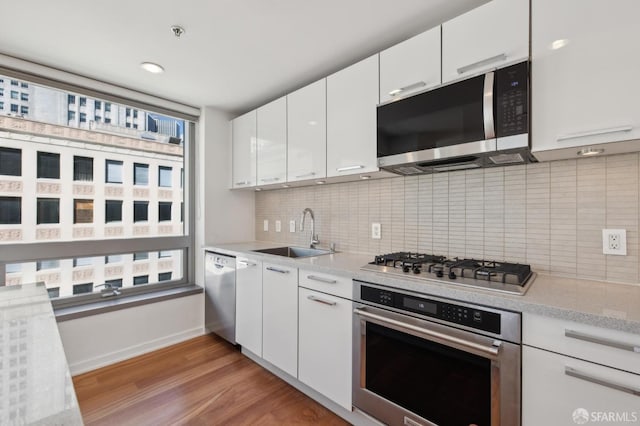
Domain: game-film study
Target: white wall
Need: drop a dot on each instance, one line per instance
(98, 340)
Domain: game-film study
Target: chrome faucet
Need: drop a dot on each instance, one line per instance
(108, 290)
(314, 237)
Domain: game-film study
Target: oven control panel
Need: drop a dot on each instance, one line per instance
(450, 312)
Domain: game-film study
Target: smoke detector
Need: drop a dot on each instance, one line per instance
(177, 30)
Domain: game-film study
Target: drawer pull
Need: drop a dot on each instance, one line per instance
(281, 271)
(408, 88)
(321, 279)
(569, 371)
(246, 263)
(347, 168)
(306, 175)
(244, 182)
(324, 302)
(602, 341)
(498, 58)
(273, 179)
(594, 133)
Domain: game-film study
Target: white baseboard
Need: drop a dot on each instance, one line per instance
(103, 360)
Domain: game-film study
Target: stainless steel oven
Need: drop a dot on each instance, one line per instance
(423, 360)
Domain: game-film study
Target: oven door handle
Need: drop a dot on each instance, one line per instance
(491, 352)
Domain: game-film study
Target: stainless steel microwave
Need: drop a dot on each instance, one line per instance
(482, 121)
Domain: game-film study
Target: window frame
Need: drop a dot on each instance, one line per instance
(78, 218)
(38, 215)
(112, 203)
(106, 171)
(77, 174)
(42, 155)
(17, 165)
(19, 203)
(165, 169)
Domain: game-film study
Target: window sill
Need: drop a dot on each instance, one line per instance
(115, 304)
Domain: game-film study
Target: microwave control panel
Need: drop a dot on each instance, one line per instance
(512, 100)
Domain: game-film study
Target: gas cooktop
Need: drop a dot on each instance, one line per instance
(513, 278)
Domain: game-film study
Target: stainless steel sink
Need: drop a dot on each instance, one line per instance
(294, 251)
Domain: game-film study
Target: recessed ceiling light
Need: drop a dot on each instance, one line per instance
(151, 67)
(559, 44)
(590, 151)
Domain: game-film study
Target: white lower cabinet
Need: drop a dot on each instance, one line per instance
(280, 317)
(249, 304)
(325, 345)
(561, 390)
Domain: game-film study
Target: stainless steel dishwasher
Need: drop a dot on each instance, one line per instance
(220, 295)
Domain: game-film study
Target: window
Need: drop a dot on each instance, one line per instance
(107, 107)
(107, 120)
(82, 211)
(14, 82)
(114, 171)
(113, 211)
(98, 118)
(83, 288)
(140, 211)
(164, 211)
(83, 101)
(71, 99)
(24, 110)
(10, 210)
(24, 97)
(1, 91)
(135, 126)
(1, 103)
(53, 292)
(10, 162)
(135, 113)
(48, 210)
(13, 268)
(165, 253)
(98, 105)
(164, 276)
(82, 168)
(14, 108)
(113, 259)
(140, 174)
(48, 165)
(83, 261)
(182, 212)
(141, 279)
(47, 264)
(164, 176)
(114, 283)
(24, 85)
(83, 117)
(127, 125)
(15, 95)
(71, 115)
(141, 256)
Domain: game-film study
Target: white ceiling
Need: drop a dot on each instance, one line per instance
(235, 55)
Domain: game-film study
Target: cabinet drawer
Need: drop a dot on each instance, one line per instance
(555, 388)
(331, 284)
(617, 349)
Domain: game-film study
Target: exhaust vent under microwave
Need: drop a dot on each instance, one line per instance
(501, 159)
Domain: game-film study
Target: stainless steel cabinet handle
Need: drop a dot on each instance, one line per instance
(246, 263)
(594, 133)
(306, 175)
(321, 279)
(569, 371)
(347, 168)
(408, 88)
(498, 58)
(487, 106)
(602, 341)
(325, 302)
(282, 271)
(273, 179)
(244, 182)
(491, 352)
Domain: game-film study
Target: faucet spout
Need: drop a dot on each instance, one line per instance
(314, 237)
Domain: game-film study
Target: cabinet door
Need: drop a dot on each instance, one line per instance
(485, 37)
(272, 142)
(411, 66)
(585, 69)
(352, 98)
(325, 345)
(553, 395)
(307, 132)
(244, 150)
(249, 304)
(280, 317)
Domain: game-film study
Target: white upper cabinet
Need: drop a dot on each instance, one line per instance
(352, 98)
(244, 150)
(585, 69)
(272, 142)
(307, 132)
(493, 34)
(411, 66)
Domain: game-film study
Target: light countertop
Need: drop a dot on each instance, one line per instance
(609, 305)
(35, 384)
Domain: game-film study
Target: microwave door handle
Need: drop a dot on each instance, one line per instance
(487, 105)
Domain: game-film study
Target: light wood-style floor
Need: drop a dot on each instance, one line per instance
(203, 381)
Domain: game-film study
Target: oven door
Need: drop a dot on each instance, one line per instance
(409, 371)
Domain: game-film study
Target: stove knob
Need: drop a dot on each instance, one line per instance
(416, 270)
(439, 274)
(452, 275)
(406, 269)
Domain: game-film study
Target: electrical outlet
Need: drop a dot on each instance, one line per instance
(614, 241)
(292, 226)
(265, 225)
(278, 226)
(376, 231)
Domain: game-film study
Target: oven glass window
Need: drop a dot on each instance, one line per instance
(441, 384)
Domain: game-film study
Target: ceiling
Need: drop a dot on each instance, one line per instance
(235, 54)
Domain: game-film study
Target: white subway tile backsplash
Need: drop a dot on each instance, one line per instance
(550, 215)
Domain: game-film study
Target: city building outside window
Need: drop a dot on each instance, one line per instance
(48, 165)
(24, 85)
(82, 168)
(24, 97)
(47, 264)
(10, 210)
(10, 162)
(141, 279)
(140, 174)
(82, 261)
(164, 176)
(24, 110)
(48, 210)
(107, 107)
(14, 82)
(164, 276)
(113, 211)
(71, 99)
(71, 115)
(83, 101)
(114, 171)
(97, 105)
(140, 211)
(164, 211)
(114, 258)
(53, 292)
(13, 268)
(82, 288)
(83, 117)
(107, 120)
(15, 95)
(141, 256)
(82, 211)
(14, 108)
(1, 103)
(117, 283)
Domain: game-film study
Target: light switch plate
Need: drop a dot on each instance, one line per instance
(292, 226)
(265, 226)
(376, 231)
(278, 226)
